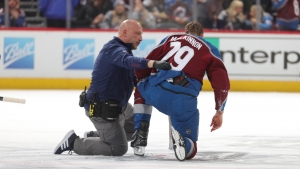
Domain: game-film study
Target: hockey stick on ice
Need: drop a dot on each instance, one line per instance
(12, 100)
(170, 135)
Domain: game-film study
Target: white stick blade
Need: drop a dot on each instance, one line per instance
(14, 100)
(170, 135)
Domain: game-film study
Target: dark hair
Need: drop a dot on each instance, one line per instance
(194, 28)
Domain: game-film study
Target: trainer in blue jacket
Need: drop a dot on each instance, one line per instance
(107, 98)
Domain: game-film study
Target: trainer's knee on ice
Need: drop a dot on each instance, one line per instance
(119, 150)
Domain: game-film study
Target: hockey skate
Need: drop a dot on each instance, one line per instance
(178, 145)
(140, 139)
(67, 143)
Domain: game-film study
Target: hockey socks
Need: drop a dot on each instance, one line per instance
(140, 139)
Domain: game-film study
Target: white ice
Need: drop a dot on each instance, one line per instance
(260, 130)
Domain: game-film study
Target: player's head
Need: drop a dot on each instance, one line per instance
(194, 28)
(130, 31)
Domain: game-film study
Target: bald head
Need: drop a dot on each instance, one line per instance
(128, 25)
(130, 31)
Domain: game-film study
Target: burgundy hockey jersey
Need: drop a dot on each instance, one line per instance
(194, 56)
(288, 10)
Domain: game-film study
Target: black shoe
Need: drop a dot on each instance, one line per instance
(140, 139)
(67, 143)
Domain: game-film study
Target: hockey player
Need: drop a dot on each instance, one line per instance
(174, 92)
(287, 14)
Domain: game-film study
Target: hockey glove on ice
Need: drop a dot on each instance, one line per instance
(162, 65)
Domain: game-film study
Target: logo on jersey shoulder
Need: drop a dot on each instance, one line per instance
(78, 53)
(145, 47)
(18, 53)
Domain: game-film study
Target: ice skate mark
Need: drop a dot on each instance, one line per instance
(219, 156)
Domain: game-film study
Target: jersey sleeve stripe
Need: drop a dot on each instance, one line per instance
(223, 105)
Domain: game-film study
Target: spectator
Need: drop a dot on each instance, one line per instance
(55, 11)
(79, 19)
(287, 14)
(16, 15)
(179, 13)
(127, 3)
(266, 5)
(203, 13)
(170, 3)
(92, 13)
(265, 22)
(115, 17)
(142, 15)
(246, 6)
(157, 8)
(97, 11)
(215, 7)
(232, 18)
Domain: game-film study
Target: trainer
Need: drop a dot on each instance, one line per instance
(107, 98)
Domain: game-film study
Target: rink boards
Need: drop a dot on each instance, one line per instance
(59, 59)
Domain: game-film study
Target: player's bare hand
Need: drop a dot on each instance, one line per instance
(217, 121)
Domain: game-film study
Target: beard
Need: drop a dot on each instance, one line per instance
(133, 47)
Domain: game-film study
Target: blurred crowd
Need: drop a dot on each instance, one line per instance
(16, 14)
(165, 14)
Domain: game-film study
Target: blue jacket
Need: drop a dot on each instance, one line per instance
(267, 22)
(113, 74)
(56, 9)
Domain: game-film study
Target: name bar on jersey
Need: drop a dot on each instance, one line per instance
(189, 39)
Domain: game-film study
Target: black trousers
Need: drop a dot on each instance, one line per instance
(56, 23)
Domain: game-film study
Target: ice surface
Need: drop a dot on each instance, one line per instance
(260, 130)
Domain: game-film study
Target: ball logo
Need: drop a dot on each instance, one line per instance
(18, 53)
(78, 53)
(145, 47)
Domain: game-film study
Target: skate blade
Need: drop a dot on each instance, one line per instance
(179, 148)
(139, 150)
(180, 153)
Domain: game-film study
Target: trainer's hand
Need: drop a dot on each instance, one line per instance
(162, 65)
(217, 121)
